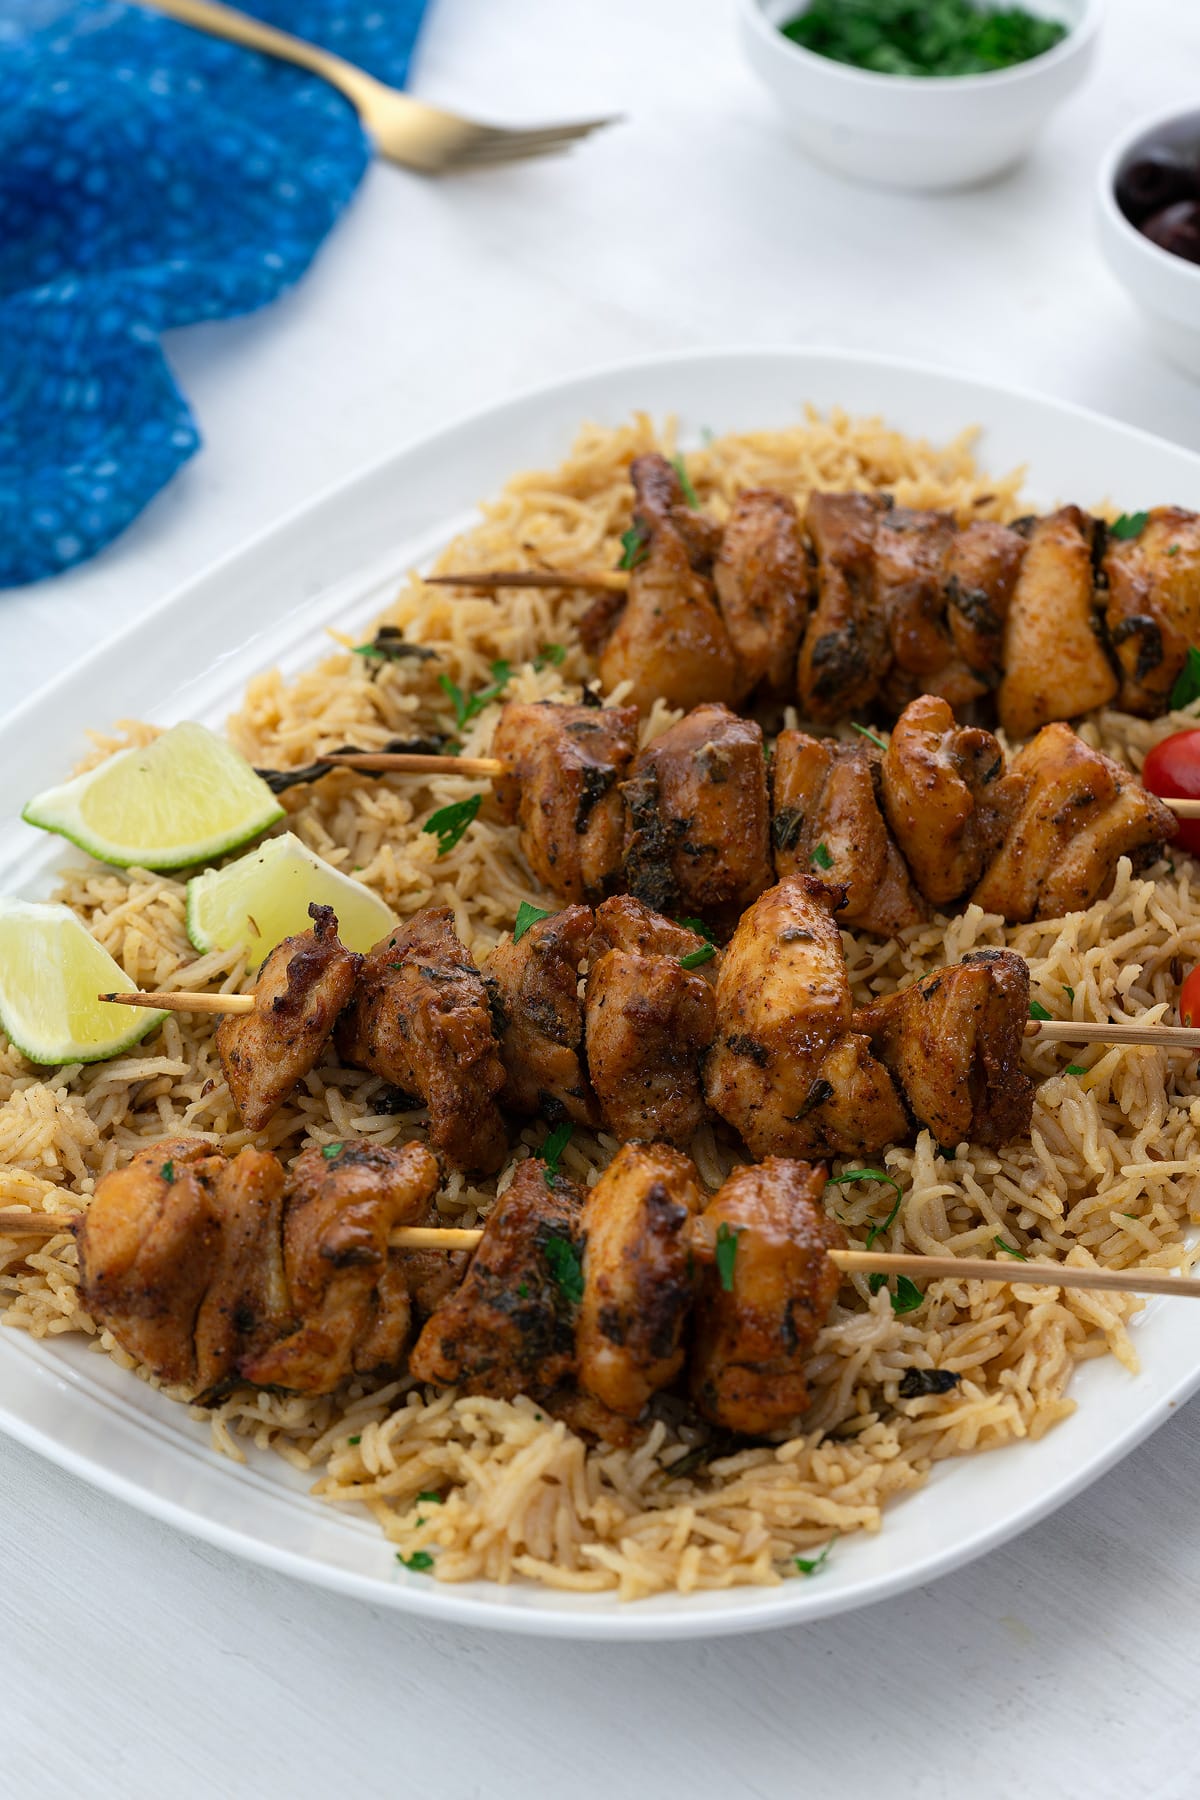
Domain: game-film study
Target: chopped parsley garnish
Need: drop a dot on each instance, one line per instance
(1068, 991)
(694, 958)
(875, 1282)
(1010, 1249)
(727, 1249)
(937, 37)
(907, 1296)
(872, 1175)
(526, 916)
(1128, 525)
(555, 1143)
(1173, 550)
(467, 706)
(812, 1565)
(821, 857)
(864, 732)
(685, 482)
(1187, 686)
(356, 1439)
(566, 1268)
(523, 1291)
(698, 926)
(168, 1171)
(1037, 1010)
(450, 822)
(635, 547)
(429, 1498)
(329, 1151)
(420, 1562)
(1074, 1069)
(550, 653)
(390, 645)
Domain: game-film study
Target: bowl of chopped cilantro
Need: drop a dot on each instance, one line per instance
(919, 93)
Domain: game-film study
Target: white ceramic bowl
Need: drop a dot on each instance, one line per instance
(905, 131)
(1167, 287)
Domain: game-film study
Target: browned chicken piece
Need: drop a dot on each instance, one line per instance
(420, 1018)
(510, 1327)
(952, 1042)
(787, 1070)
(430, 1275)
(1055, 665)
(149, 1245)
(247, 1303)
(946, 798)
(533, 988)
(910, 551)
(763, 583)
(638, 1280)
(846, 653)
(659, 498)
(669, 640)
(1153, 610)
(698, 834)
(1076, 814)
(980, 572)
(649, 1020)
(347, 1290)
(827, 816)
(301, 988)
(562, 767)
(766, 1292)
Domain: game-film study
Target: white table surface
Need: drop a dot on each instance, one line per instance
(134, 1662)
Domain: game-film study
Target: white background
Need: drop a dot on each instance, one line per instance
(135, 1663)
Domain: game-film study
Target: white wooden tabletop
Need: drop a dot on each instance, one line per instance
(134, 1662)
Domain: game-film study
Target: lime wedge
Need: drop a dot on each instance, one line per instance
(185, 798)
(257, 901)
(51, 970)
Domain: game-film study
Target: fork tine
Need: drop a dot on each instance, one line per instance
(514, 146)
(537, 134)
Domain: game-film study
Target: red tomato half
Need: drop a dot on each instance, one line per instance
(1172, 770)
(1189, 1000)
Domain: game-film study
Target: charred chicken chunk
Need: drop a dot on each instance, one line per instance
(846, 652)
(347, 1291)
(669, 640)
(510, 1327)
(946, 797)
(649, 1020)
(980, 569)
(246, 1304)
(1076, 813)
(1054, 661)
(763, 582)
(756, 1326)
(420, 1018)
(302, 987)
(698, 838)
(786, 1069)
(562, 767)
(1153, 610)
(637, 1276)
(533, 988)
(952, 1042)
(910, 552)
(826, 814)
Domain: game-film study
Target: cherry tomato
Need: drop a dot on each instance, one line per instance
(1189, 999)
(1172, 770)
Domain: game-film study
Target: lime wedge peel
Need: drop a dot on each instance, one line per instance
(263, 897)
(185, 798)
(51, 971)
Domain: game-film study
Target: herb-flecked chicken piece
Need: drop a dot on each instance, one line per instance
(980, 571)
(563, 765)
(787, 1069)
(669, 640)
(827, 818)
(533, 988)
(510, 1328)
(1153, 606)
(952, 1042)
(302, 987)
(1076, 812)
(763, 581)
(946, 797)
(638, 1276)
(1055, 664)
(420, 1019)
(698, 835)
(766, 1289)
(347, 1290)
(649, 1020)
(910, 552)
(846, 652)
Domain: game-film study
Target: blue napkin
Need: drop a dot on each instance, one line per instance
(150, 176)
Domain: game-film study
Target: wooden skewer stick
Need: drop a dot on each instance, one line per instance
(201, 1003)
(601, 581)
(399, 762)
(1183, 809)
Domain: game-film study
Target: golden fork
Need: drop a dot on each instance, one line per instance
(406, 130)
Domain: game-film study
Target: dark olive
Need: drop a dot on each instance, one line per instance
(1177, 229)
(1157, 179)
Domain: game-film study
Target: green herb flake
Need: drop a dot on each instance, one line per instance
(429, 1498)
(694, 958)
(420, 1562)
(1068, 991)
(821, 857)
(1037, 1010)
(907, 1296)
(550, 654)
(468, 706)
(449, 823)
(1074, 1069)
(876, 1230)
(168, 1171)
(812, 1565)
(875, 1282)
(685, 482)
(566, 1267)
(1128, 525)
(938, 37)
(727, 1249)
(526, 916)
(1187, 686)
(555, 1143)
(523, 1291)
(1010, 1249)
(356, 1439)
(329, 1151)
(1172, 549)
(1125, 1215)
(698, 926)
(635, 547)
(863, 731)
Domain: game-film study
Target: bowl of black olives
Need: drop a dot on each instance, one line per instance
(1150, 227)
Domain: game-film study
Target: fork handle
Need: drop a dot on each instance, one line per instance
(239, 28)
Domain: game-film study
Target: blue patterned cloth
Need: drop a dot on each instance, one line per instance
(150, 176)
